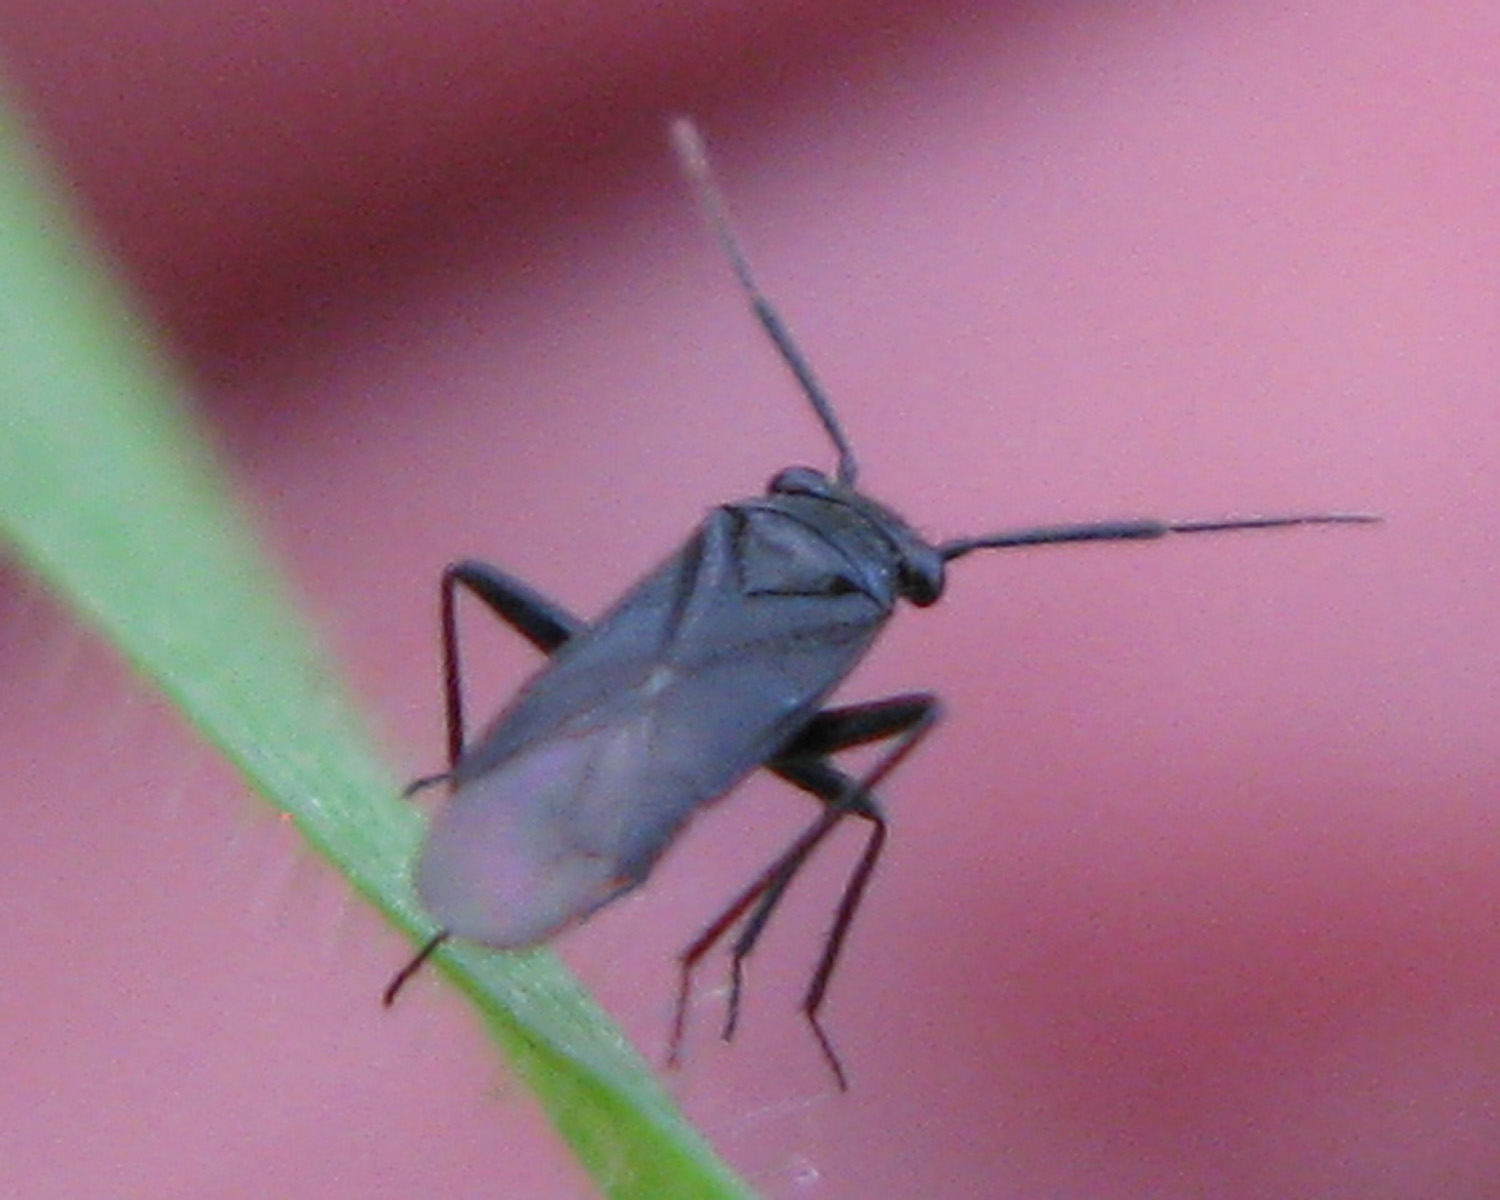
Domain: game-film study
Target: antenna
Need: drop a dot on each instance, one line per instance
(692, 154)
(1139, 530)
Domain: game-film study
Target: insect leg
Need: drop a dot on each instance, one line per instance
(906, 718)
(392, 989)
(804, 765)
(542, 622)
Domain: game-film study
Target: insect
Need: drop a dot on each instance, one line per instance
(718, 663)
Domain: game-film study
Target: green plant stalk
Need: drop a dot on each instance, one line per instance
(109, 493)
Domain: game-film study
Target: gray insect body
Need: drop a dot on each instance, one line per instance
(716, 664)
(703, 672)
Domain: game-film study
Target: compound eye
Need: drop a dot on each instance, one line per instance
(922, 577)
(800, 481)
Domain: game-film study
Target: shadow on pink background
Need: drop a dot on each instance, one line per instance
(1195, 891)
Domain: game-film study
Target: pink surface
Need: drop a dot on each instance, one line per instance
(1195, 891)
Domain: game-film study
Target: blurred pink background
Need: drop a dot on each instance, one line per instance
(1195, 891)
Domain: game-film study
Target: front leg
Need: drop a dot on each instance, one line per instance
(540, 620)
(907, 719)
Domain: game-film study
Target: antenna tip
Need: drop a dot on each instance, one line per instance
(687, 142)
(1341, 518)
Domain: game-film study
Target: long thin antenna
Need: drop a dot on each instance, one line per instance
(1139, 530)
(692, 154)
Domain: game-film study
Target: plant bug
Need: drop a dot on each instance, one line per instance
(716, 664)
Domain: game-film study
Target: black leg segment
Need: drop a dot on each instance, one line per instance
(542, 622)
(907, 719)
